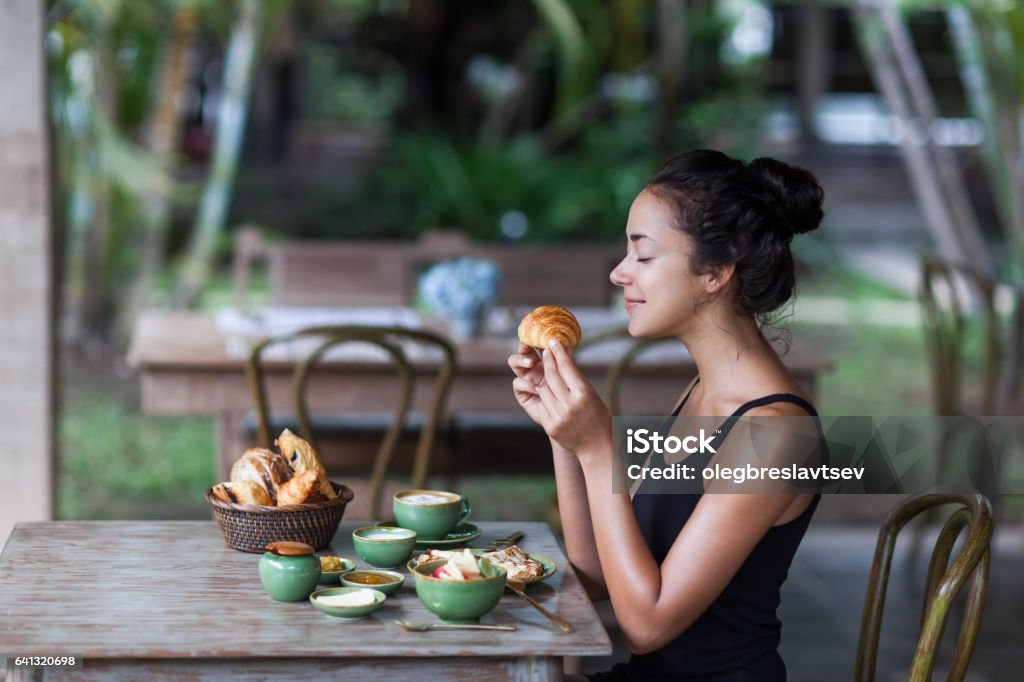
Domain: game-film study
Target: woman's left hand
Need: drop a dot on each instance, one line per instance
(575, 416)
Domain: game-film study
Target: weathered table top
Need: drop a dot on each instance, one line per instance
(174, 590)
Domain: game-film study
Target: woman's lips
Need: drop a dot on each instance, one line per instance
(633, 303)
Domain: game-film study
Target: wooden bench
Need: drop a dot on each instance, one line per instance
(372, 273)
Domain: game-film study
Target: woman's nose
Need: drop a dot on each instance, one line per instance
(619, 276)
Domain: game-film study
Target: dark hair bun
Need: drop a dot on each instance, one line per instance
(742, 214)
(793, 192)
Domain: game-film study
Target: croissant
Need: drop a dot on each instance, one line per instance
(303, 487)
(550, 322)
(242, 492)
(303, 457)
(266, 468)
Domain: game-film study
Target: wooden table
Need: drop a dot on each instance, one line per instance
(145, 600)
(185, 368)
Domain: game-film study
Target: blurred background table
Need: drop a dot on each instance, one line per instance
(188, 365)
(170, 600)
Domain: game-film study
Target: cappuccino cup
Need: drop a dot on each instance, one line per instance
(431, 513)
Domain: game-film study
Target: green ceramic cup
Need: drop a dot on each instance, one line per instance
(289, 578)
(431, 513)
(384, 546)
(458, 601)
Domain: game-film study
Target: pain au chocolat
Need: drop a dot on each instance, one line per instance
(550, 322)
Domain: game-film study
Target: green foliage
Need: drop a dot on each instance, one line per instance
(360, 91)
(116, 463)
(435, 182)
(575, 170)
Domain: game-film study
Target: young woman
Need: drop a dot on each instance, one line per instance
(693, 579)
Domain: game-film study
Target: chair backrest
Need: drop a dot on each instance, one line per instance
(388, 339)
(618, 370)
(944, 582)
(950, 293)
(957, 298)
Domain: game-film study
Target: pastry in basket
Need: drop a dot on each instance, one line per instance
(303, 488)
(266, 468)
(242, 492)
(303, 457)
(550, 322)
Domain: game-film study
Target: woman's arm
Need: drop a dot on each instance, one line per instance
(655, 604)
(572, 491)
(577, 528)
(652, 603)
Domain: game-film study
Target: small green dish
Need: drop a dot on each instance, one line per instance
(384, 547)
(329, 577)
(389, 581)
(347, 612)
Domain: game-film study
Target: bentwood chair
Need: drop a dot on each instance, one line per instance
(619, 370)
(393, 341)
(944, 582)
(973, 333)
(959, 302)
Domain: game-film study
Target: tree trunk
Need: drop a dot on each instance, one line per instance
(231, 115)
(162, 139)
(672, 53)
(813, 67)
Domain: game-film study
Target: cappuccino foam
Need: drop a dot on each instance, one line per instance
(425, 498)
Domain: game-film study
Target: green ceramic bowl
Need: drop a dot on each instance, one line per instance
(387, 582)
(383, 546)
(458, 601)
(346, 612)
(328, 577)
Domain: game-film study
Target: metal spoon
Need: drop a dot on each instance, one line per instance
(502, 543)
(421, 627)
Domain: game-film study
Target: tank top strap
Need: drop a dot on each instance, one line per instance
(761, 402)
(776, 398)
(679, 407)
(726, 427)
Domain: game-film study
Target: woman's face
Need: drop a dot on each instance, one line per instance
(659, 288)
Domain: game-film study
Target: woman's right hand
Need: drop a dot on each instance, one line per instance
(529, 371)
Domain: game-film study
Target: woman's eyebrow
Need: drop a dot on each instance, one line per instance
(635, 237)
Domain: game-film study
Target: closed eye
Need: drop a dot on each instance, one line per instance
(643, 260)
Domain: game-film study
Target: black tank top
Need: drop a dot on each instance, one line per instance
(736, 639)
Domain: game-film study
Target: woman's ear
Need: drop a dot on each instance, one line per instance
(718, 278)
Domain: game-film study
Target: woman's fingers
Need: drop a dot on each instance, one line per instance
(524, 386)
(567, 369)
(553, 378)
(521, 364)
(528, 395)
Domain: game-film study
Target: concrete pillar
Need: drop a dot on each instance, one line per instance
(26, 273)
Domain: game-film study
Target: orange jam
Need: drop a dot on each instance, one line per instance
(369, 579)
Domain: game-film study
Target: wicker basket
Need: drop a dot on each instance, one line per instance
(249, 528)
